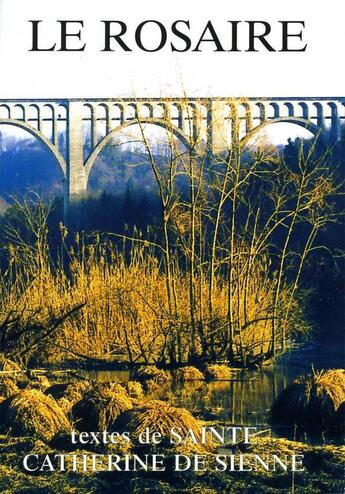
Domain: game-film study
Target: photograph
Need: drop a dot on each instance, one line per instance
(172, 247)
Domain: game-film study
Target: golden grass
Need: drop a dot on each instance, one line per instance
(8, 387)
(104, 389)
(67, 394)
(217, 372)
(75, 390)
(188, 373)
(134, 389)
(151, 372)
(161, 417)
(330, 387)
(126, 304)
(7, 365)
(32, 412)
(43, 382)
(100, 407)
(151, 387)
(40, 382)
(312, 400)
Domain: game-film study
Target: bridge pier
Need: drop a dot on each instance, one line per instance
(76, 180)
(77, 177)
(217, 139)
(335, 124)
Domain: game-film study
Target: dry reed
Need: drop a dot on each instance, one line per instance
(217, 372)
(151, 372)
(188, 373)
(100, 407)
(8, 387)
(126, 307)
(312, 400)
(32, 412)
(159, 416)
(134, 389)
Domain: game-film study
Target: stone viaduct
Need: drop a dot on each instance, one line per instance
(76, 130)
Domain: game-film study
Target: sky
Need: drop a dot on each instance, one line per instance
(319, 71)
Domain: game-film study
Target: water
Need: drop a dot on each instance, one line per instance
(247, 398)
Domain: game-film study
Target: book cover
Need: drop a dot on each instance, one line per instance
(172, 247)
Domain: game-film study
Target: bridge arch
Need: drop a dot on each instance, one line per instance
(41, 138)
(146, 110)
(131, 111)
(5, 109)
(290, 109)
(117, 113)
(273, 110)
(319, 113)
(18, 112)
(155, 121)
(305, 110)
(102, 112)
(160, 111)
(306, 124)
(260, 111)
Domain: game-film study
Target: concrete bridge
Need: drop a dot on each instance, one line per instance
(76, 130)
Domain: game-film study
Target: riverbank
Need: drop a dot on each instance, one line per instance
(323, 473)
(39, 453)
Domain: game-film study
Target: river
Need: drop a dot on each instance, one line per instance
(245, 399)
